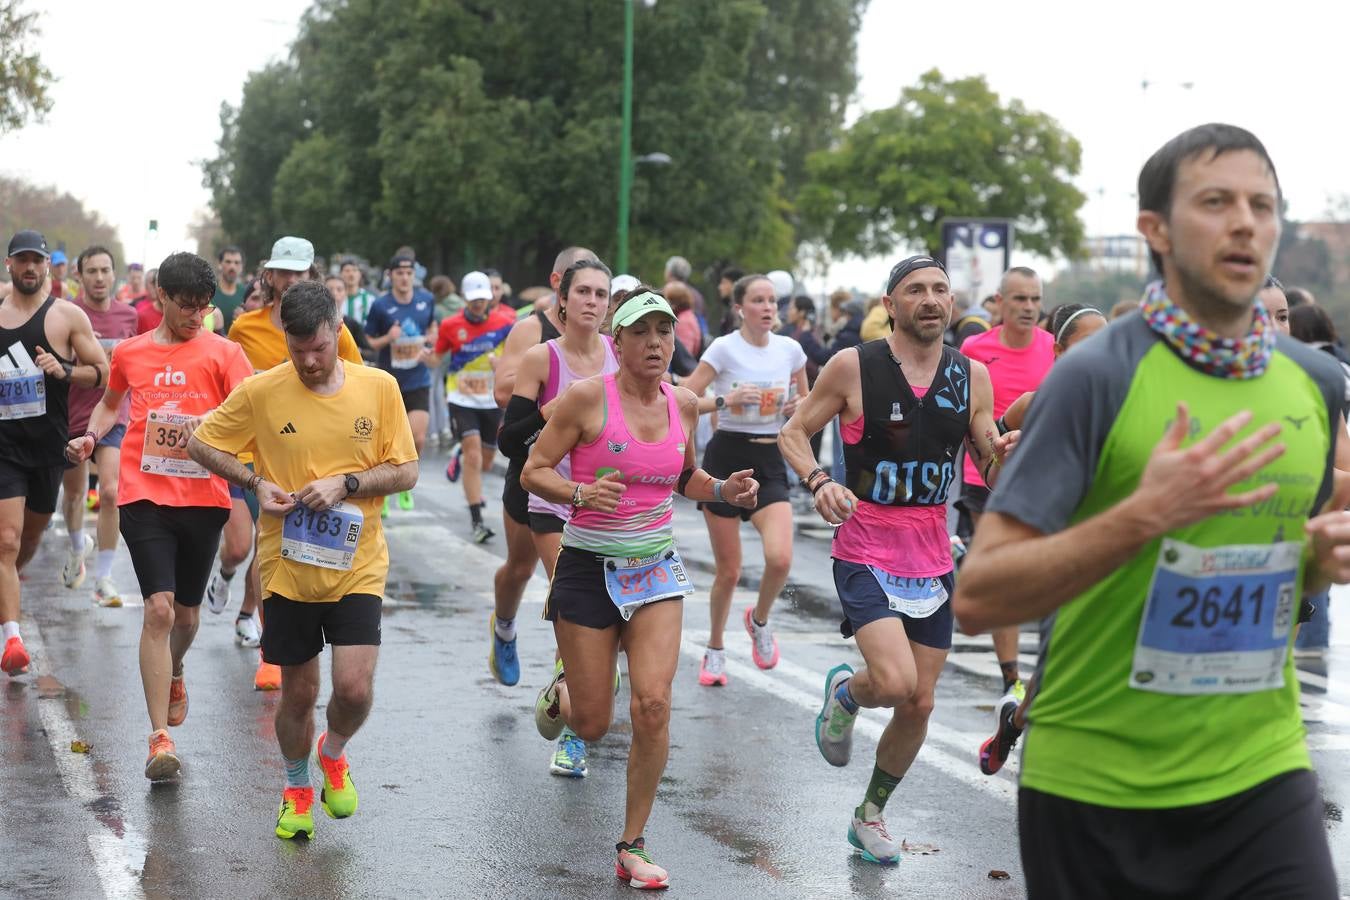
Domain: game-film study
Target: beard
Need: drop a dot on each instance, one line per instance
(27, 290)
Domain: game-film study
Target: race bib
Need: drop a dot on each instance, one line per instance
(475, 384)
(406, 352)
(164, 451)
(23, 394)
(1217, 619)
(917, 598)
(633, 583)
(327, 539)
(767, 411)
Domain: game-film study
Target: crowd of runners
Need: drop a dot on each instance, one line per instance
(1160, 494)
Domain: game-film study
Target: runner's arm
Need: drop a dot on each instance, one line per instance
(826, 400)
(91, 368)
(385, 479)
(523, 335)
(221, 463)
(698, 384)
(1016, 414)
(577, 412)
(983, 434)
(740, 489)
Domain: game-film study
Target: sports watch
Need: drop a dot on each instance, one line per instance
(351, 483)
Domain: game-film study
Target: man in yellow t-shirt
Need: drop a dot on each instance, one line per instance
(330, 440)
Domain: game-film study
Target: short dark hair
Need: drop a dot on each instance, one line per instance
(805, 304)
(94, 250)
(743, 284)
(229, 248)
(1310, 324)
(1298, 297)
(186, 276)
(305, 307)
(1158, 177)
(732, 274)
(492, 273)
(570, 273)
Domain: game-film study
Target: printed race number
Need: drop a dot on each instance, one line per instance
(634, 582)
(324, 538)
(23, 394)
(164, 451)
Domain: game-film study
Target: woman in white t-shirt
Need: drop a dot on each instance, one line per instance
(758, 378)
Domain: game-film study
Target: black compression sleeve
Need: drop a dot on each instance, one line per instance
(684, 481)
(520, 426)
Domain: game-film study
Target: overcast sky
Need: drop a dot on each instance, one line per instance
(140, 84)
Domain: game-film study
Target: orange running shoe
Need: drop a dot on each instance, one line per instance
(162, 763)
(296, 816)
(339, 794)
(268, 676)
(15, 659)
(178, 700)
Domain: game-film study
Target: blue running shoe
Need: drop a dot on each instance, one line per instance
(569, 760)
(502, 659)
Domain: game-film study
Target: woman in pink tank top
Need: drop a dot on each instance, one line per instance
(618, 580)
(548, 369)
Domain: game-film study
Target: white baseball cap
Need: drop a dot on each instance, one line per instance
(476, 286)
(782, 283)
(623, 283)
(294, 254)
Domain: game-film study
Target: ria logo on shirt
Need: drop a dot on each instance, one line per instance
(169, 377)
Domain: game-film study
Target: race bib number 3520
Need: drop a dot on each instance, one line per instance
(1217, 619)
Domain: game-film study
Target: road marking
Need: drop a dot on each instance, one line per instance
(118, 862)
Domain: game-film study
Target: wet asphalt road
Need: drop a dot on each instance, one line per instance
(456, 797)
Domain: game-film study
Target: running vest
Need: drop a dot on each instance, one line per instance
(546, 330)
(29, 437)
(560, 377)
(907, 455)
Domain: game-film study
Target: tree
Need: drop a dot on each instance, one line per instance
(487, 132)
(947, 149)
(62, 219)
(23, 78)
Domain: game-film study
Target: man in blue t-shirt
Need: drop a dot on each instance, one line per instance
(401, 326)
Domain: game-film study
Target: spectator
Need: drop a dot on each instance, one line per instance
(876, 324)
(782, 286)
(678, 269)
(1299, 296)
(687, 331)
(726, 282)
(966, 320)
(990, 305)
(1310, 324)
(448, 300)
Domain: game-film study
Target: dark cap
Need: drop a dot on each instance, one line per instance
(911, 264)
(400, 261)
(28, 241)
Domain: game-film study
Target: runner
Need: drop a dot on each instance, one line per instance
(1168, 756)
(758, 378)
(172, 510)
(260, 334)
(400, 325)
(359, 300)
(508, 585)
(331, 439)
(905, 406)
(1070, 324)
(112, 323)
(1273, 298)
(1018, 355)
(230, 291)
(473, 337)
(630, 439)
(46, 345)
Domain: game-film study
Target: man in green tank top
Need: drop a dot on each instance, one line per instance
(1166, 506)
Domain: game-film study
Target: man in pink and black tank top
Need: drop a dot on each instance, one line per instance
(905, 404)
(1018, 355)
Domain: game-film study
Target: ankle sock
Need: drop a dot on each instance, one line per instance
(77, 540)
(10, 629)
(334, 744)
(476, 513)
(103, 568)
(506, 629)
(845, 698)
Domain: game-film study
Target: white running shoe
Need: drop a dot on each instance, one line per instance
(872, 841)
(246, 631)
(106, 593)
(218, 594)
(73, 572)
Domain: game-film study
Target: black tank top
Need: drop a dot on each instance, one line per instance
(546, 330)
(907, 455)
(28, 437)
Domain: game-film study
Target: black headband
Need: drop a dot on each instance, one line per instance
(912, 264)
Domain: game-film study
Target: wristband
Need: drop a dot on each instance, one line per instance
(91, 434)
(252, 484)
(68, 369)
(577, 501)
(98, 376)
(717, 490)
(806, 482)
(820, 484)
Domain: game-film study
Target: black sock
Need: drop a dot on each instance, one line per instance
(476, 513)
(1009, 674)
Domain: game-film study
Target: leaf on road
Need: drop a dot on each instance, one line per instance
(999, 875)
(80, 747)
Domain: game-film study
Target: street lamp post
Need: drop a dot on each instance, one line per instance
(625, 144)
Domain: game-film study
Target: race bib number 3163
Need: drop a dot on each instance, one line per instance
(327, 539)
(1217, 619)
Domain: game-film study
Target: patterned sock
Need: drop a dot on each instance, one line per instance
(879, 790)
(845, 698)
(297, 771)
(334, 744)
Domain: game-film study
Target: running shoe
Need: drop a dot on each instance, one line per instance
(246, 631)
(91, 501)
(106, 593)
(178, 700)
(714, 668)
(218, 594)
(452, 468)
(15, 659)
(502, 659)
(763, 645)
(296, 816)
(162, 763)
(569, 760)
(548, 708)
(872, 841)
(1018, 691)
(268, 676)
(73, 572)
(995, 751)
(834, 725)
(636, 867)
(481, 533)
(339, 791)
(405, 501)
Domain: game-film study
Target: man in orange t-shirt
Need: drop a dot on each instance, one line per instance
(172, 509)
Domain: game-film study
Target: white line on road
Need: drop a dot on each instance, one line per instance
(118, 862)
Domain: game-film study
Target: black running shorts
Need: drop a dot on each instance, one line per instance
(577, 592)
(732, 451)
(467, 420)
(173, 548)
(295, 632)
(417, 400)
(39, 486)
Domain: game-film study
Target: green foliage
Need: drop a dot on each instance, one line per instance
(947, 149)
(1102, 290)
(61, 218)
(488, 131)
(23, 78)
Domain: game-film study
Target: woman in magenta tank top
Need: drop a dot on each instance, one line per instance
(618, 580)
(547, 370)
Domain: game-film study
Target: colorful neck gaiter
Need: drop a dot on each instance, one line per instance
(1244, 357)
